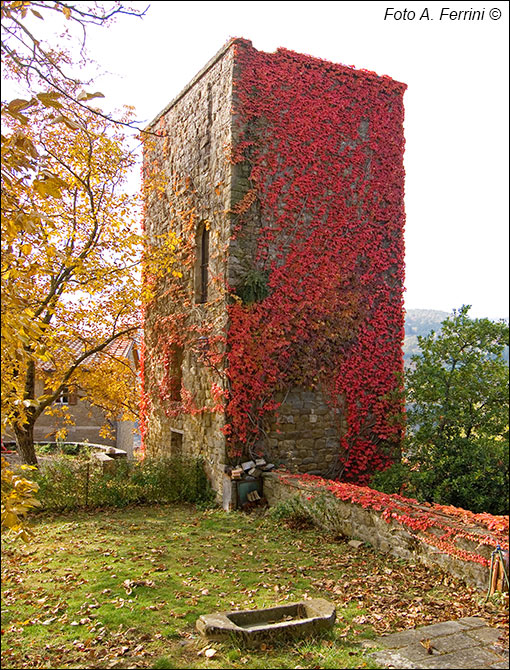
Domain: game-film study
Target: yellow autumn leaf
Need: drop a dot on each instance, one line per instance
(50, 99)
(18, 104)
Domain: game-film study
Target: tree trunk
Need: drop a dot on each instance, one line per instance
(25, 442)
(25, 432)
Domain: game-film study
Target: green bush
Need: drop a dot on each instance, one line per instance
(59, 485)
(457, 416)
(395, 479)
(292, 511)
(45, 448)
(66, 484)
(253, 287)
(67, 448)
(469, 474)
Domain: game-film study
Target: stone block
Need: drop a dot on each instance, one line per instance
(485, 634)
(449, 643)
(472, 622)
(391, 659)
(309, 460)
(284, 622)
(473, 657)
(445, 628)
(402, 639)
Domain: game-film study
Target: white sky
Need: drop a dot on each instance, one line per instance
(456, 125)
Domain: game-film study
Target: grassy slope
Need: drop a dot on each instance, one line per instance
(66, 603)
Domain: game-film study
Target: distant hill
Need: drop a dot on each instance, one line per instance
(421, 322)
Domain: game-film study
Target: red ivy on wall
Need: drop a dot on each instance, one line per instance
(324, 144)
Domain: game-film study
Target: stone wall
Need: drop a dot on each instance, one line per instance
(281, 199)
(201, 161)
(394, 536)
(192, 163)
(304, 434)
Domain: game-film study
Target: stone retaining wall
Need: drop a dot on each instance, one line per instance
(458, 541)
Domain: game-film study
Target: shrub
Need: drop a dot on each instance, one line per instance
(470, 475)
(457, 418)
(66, 484)
(395, 479)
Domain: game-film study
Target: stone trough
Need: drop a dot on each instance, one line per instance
(301, 619)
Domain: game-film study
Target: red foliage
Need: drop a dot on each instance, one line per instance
(326, 168)
(421, 519)
(323, 147)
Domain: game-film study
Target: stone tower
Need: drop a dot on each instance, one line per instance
(274, 319)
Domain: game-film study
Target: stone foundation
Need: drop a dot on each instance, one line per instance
(304, 434)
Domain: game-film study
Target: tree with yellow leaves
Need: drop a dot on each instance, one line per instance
(18, 497)
(70, 245)
(70, 284)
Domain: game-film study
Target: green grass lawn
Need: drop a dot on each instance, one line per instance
(124, 588)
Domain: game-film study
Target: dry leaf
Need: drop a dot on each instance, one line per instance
(427, 644)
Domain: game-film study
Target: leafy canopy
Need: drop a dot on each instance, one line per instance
(70, 244)
(457, 395)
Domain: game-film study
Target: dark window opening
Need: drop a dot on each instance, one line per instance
(202, 267)
(68, 396)
(176, 384)
(63, 398)
(175, 442)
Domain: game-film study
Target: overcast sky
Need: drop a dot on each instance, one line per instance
(456, 108)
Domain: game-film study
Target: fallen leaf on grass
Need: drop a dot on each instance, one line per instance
(209, 652)
(130, 584)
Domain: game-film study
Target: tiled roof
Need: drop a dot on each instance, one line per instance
(119, 348)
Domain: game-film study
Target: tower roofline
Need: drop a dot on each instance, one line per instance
(198, 76)
(245, 42)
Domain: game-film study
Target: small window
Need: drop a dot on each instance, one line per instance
(202, 265)
(176, 370)
(176, 442)
(63, 399)
(67, 397)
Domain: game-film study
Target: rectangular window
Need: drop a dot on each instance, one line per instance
(63, 399)
(204, 269)
(202, 264)
(68, 396)
(176, 371)
(176, 442)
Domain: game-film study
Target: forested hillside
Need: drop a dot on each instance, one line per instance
(421, 322)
